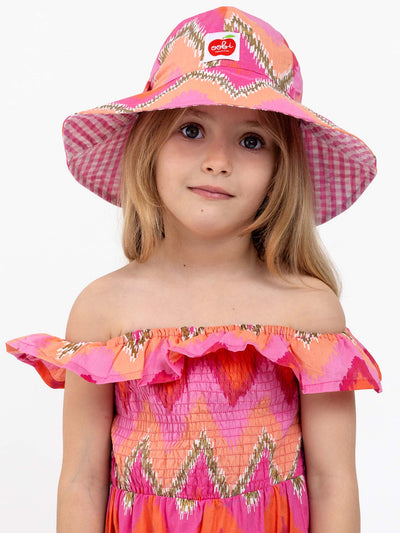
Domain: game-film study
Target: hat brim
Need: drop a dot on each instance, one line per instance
(341, 165)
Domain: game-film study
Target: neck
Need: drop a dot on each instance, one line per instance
(202, 258)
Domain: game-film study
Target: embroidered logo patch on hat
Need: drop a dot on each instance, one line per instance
(221, 45)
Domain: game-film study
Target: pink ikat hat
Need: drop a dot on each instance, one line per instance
(221, 57)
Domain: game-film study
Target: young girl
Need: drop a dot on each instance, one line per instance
(209, 382)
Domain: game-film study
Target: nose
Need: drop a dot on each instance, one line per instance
(217, 160)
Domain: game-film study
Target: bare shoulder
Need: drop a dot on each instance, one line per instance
(92, 314)
(314, 306)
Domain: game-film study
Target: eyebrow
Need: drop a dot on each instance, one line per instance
(194, 111)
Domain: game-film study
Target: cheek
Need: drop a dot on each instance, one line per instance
(172, 163)
(164, 169)
(261, 178)
(164, 188)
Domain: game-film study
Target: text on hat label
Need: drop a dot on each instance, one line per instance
(221, 45)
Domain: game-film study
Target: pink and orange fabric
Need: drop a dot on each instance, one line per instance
(207, 435)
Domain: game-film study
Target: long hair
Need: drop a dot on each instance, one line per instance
(283, 230)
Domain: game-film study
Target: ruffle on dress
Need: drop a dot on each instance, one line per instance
(321, 362)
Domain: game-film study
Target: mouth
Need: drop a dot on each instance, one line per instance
(211, 192)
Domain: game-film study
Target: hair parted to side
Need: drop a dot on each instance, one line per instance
(283, 230)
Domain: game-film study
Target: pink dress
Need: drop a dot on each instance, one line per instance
(206, 435)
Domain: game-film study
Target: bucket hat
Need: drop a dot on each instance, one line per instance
(221, 57)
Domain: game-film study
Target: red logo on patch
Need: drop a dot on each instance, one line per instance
(224, 47)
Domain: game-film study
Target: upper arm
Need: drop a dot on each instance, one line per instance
(88, 408)
(328, 427)
(328, 422)
(327, 419)
(87, 418)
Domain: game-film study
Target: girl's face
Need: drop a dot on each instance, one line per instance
(214, 147)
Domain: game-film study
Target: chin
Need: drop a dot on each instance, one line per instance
(205, 227)
(212, 231)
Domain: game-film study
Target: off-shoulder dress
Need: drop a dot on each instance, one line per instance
(206, 435)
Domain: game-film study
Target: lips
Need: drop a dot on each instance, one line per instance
(211, 188)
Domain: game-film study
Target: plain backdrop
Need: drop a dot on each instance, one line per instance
(56, 237)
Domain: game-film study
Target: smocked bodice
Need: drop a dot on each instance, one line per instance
(227, 427)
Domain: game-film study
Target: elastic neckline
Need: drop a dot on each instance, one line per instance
(192, 331)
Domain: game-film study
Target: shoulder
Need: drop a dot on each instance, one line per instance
(92, 314)
(313, 306)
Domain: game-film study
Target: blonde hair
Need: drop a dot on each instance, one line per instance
(283, 230)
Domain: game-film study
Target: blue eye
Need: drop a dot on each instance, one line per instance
(252, 142)
(192, 131)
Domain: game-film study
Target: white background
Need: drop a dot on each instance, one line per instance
(56, 237)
